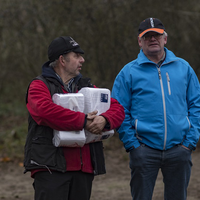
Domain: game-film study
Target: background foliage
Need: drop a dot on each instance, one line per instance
(106, 31)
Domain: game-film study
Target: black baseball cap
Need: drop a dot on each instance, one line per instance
(150, 24)
(62, 45)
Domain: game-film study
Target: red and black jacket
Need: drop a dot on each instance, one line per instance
(44, 116)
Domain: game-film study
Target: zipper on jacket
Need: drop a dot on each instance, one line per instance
(188, 122)
(164, 106)
(168, 83)
(137, 135)
(35, 163)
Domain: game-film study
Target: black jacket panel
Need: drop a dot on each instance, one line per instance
(39, 149)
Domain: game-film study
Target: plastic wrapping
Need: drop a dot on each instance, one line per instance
(86, 101)
(96, 99)
(75, 102)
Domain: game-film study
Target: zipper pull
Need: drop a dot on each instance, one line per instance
(168, 83)
(168, 79)
(35, 163)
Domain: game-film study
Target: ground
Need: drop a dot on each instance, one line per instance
(114, 185)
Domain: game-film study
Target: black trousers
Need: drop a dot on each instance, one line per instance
(75, 185)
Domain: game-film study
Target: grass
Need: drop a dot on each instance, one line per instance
(13, 129)
(12, 142)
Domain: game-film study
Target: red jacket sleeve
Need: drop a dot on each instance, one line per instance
(115, 115)
(45, 112)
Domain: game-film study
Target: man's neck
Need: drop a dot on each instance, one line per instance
(64, 78)
(157, 58)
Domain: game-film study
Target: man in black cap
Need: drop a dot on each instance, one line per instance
(161, 97)
(63, 172)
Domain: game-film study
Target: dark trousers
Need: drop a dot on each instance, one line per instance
(175, 165)
(74, 185)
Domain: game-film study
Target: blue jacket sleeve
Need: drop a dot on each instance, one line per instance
(122, 92)
(193, 101)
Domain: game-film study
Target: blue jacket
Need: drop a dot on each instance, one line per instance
(162, 104)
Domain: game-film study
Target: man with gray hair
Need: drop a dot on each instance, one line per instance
(161, 97)
(64, 172)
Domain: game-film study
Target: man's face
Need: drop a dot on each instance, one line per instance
(152, 43)
(73, 64)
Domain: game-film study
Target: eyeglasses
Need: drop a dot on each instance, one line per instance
(149, 36)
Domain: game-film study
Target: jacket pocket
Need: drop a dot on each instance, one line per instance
(43, 152)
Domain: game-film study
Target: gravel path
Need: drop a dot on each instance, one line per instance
(114, 185)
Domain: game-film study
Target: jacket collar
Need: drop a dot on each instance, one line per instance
(170, 57)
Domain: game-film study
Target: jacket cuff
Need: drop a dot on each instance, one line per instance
(191, 147)
(85, 122)
(129, 149)
(107, 126)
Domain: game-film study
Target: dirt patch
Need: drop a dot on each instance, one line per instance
(114, 185)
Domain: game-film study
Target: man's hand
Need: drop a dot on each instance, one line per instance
(185, 147)
(90, 117)
(95, 124)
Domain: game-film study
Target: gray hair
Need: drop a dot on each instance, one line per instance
(165, 33)
(55, 63)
